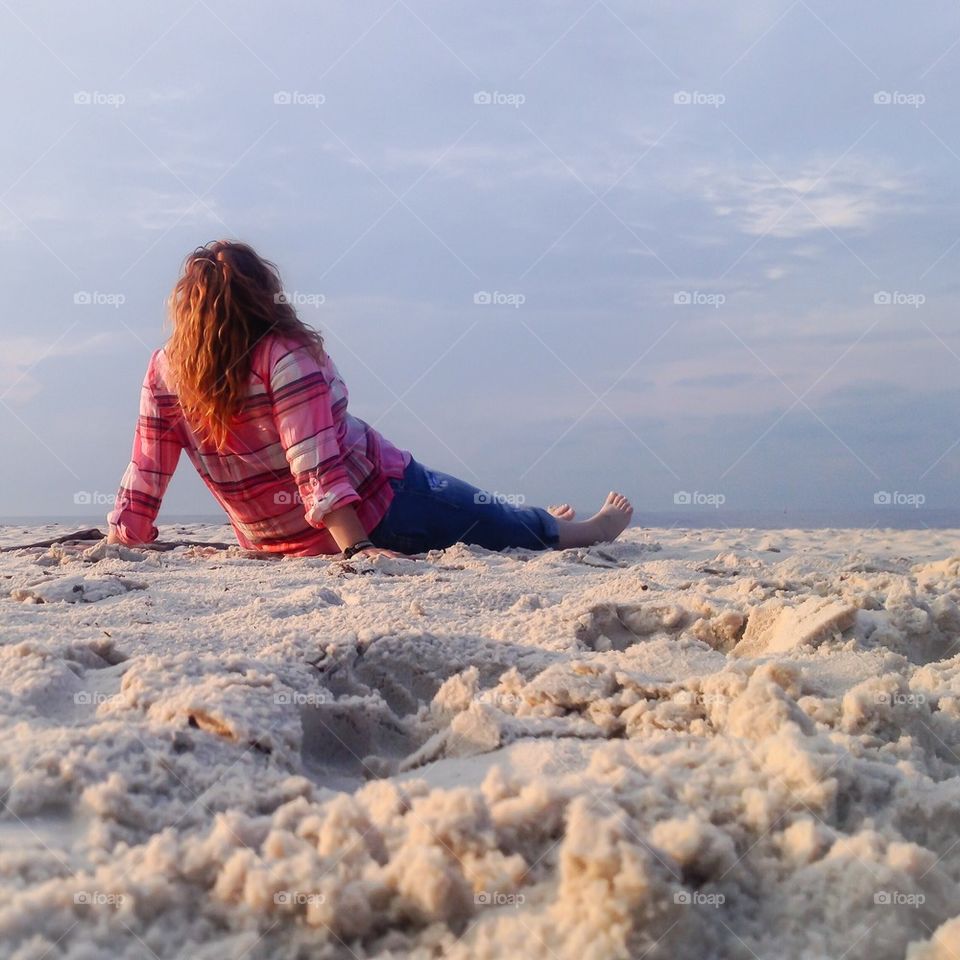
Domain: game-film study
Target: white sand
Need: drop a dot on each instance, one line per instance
(685, 745)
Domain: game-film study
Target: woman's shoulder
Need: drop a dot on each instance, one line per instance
(158, 371)
(275, 347)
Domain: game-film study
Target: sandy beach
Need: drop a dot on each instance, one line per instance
(683, 745)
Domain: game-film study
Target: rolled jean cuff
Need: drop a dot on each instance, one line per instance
(551, 529)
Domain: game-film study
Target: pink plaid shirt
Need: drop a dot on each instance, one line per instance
(293, 455)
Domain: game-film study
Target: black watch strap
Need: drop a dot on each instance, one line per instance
(356, 548)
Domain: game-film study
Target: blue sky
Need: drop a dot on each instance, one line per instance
(719, 243)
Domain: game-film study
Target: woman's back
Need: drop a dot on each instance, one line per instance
(291, 454)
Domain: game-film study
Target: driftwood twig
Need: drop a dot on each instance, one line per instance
(94, 534)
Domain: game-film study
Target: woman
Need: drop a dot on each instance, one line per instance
(251, 395)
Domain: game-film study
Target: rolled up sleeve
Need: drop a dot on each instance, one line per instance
(307, 427)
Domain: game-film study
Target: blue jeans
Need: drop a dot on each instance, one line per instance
(432, 510)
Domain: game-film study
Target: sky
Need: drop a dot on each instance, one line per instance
(704, 254)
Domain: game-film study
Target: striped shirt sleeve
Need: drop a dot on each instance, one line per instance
(302, 411)
(156, 452)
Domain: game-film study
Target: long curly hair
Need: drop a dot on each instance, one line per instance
(226, 301)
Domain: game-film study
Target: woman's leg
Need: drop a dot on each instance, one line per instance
(433, 510)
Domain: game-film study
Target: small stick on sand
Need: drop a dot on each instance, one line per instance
(94, 534)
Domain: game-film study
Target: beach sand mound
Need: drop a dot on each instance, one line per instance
(683, 745)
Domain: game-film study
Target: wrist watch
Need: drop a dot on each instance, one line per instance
(356, 548)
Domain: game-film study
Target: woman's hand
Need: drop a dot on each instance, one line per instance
(381, 552)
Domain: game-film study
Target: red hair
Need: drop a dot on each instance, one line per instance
(226, 301)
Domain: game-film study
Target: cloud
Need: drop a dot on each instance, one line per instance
(177, 95)
(150, 209)
(535, 155)
(22, 356)
(817, 195)
(29, 211)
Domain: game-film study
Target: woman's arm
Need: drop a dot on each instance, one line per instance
(302, 411)
(156, 452)
(344, 526)
(346, 529)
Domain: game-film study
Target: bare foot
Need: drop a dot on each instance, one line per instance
(613, 517)
(605, 525)
(562, 511)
